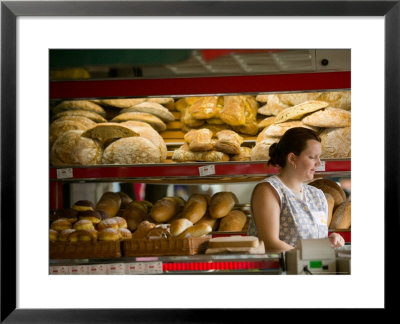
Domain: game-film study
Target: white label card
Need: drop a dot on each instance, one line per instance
(64, 173)
(154, 267)
(207, 170)
(321, 167)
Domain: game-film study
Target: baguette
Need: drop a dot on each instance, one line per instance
(233, 222)
(196, 231)
(110, 203)
(134, 214)
(179, 225)
(195, 208)
(165, 208)
(221, 204)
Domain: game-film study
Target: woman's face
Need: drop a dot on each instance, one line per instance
(308, 160)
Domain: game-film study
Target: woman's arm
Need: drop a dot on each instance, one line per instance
(265, 205)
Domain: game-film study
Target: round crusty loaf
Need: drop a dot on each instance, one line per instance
(71, 148)
(67, 123)
(331, 187)
(146, 131)
(80, 113)
(331, 204)
(233, 222)
(221, 204)
(336, 143)
(328, 117)
(179, 225)
(131, 150)
(152, 120)
(341, 218)
(120, 103)
(165, 208)
(195, 208)
(153, 108)
(107, 132)
(79, 105)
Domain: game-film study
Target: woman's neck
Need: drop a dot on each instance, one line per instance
(291, 181)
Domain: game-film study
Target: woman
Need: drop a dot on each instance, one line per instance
(284, 208)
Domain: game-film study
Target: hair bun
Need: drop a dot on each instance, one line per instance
(273, 150)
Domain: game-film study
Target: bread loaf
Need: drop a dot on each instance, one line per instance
(80, 113)
(131, 150)
(179, 225)
(165, 208)
(221, 204)
(332, 188)
(336, 143)
(277, 130)
(204, 108)
(125, 199)
(243, 155)
(121, 103)
(296, 112)
(266, 122)
(153, 108)
(106, 132)
(195, 208)
(64, 124)
(331, 204)
(228, 142)
(134, 214)
(196, 231)
(233, 222)
(293, 99)
(213, 222)
(273, 105)
(328, 117)
(70, 148)
(79, 105)
(233, 111)
(183, 154)
(142, 230)
(337, 99)
(110, 203)
(188, 120)
(341, 218)
(152, 120)
(199, 140)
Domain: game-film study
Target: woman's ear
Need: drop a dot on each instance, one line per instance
(291, 157)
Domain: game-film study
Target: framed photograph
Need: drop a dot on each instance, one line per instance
(371, 29)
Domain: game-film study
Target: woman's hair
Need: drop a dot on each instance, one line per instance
(293, 141)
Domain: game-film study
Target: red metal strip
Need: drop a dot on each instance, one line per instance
(345, 234)
(336, 166)
(199, 85)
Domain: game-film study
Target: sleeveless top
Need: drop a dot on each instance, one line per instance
(304, 217)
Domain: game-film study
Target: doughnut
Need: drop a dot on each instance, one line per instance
(65, 234)
(121, 222)
(91, 215)
(108, 223)
(83, 224)
(83, 236)
(82, 205)
(60, 224)
(53, 235)
(109, 234)
(125, 233)
(70, 214)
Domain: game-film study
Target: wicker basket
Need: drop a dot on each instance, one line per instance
(165, 246)
(85, 250)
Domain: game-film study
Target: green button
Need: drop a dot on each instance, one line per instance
(315, 264)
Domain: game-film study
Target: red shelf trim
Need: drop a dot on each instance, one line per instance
(179, 170)
(112, 88)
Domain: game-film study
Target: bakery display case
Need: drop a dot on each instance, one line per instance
(166, 155)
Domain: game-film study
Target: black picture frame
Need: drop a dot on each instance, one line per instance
(10, 10)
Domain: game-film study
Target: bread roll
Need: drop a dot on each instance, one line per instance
(60, 224)
(298, 111)
(336, 143)
(196, 231)
(228, 142)
(125, 199)
(152, 120)
(184, 154)
(108, 223)
(109, 202)
(153, 108)
(70, 148)
(134, 214)
(207, 219)
(204, 108)
(328, 117)
(243, 155)
(165, 208)
(83, 225)
(179, 225)
(331, 204)
(109, 234)
(273, 105)
(195, 208)
(80, 113)
(233, 222)
(199, 140)
(148, 132)
(341, 218)
(142, 229)
(188, 120)
(79, 105)
(131, 150)
(221, 204)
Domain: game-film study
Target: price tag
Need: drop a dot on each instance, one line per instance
(59, 270)
(135, 268)
(64, 173)
(79, 270)
(321, 167)
(207, 170)
(98, 269)
(116, 269)
(154, 267)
